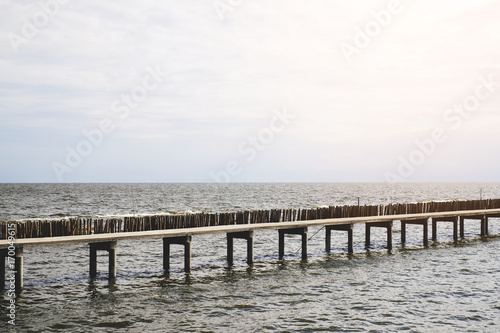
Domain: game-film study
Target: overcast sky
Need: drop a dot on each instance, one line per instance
(251, 90)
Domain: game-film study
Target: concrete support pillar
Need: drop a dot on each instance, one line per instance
(422, 222)
(16, 268)
(248, 235)
(453, 219)
(385, 224)
(19, 269)
(487, 217)
(93, 261)
(112, 262)
(294, 231)
(103, 246)
(3, 255)
(462, 227)
(342, 227)
(484, 224)
(182, 240)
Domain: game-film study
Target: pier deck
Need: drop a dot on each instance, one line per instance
(95, 238)
(108, 241)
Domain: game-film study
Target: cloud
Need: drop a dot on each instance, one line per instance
(226, 76)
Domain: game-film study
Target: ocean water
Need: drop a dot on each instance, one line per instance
(446, 287)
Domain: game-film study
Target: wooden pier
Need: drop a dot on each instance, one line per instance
(183, 236)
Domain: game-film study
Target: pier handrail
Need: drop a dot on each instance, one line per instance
(102, 237)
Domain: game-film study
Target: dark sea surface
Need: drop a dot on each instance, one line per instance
(447, 287)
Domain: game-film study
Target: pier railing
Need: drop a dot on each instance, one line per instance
(89, 226)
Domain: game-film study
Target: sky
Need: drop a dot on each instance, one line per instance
(249, 91)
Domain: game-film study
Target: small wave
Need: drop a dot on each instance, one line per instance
(59, 215)
(149, 214)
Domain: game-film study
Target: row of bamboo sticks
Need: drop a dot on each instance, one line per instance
(87, 226)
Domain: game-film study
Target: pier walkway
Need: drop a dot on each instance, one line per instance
(108, 241)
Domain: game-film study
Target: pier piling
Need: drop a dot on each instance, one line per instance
(482, 218)
(18, 268)
(182, 240)
(453, 220)
(487, 218)
(422, 222)
(385, 224)
(104, 246)
(342, 227)
(3, 255)
(484, 226)
(293, 231)
(248, 236)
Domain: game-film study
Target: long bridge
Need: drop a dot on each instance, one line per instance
(183, 236)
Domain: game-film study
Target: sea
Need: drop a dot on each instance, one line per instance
(444, 287)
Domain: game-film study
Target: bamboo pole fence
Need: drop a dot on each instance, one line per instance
(98, 225)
